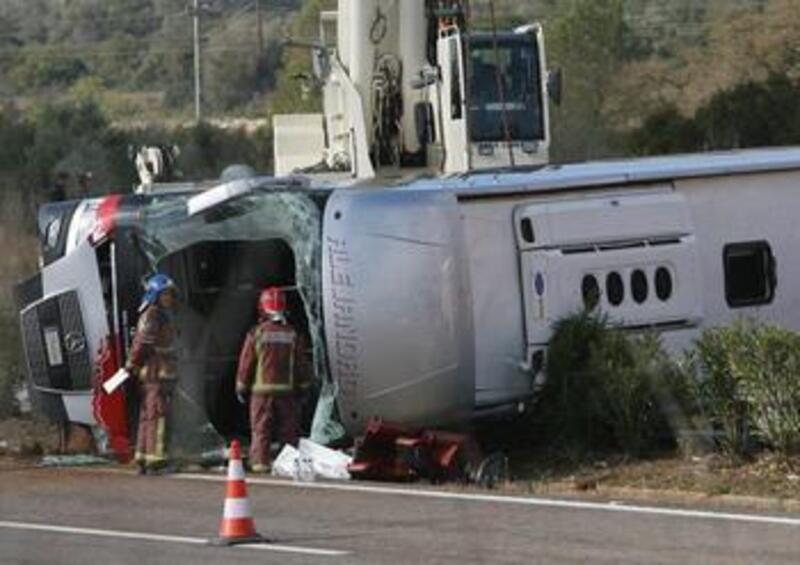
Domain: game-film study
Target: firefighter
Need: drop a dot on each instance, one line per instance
(153, 358)
(270, 362)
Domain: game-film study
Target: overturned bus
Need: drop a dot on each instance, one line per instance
(428, 302)
(222, 245)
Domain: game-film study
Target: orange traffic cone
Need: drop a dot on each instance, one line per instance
(237, 524)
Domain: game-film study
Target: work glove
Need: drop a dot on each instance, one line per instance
(133, 371)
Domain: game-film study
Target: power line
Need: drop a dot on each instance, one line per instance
(114, 18)
(162, 19)
(207, 33)
(62, 53)
(72, 50)
(223, 19)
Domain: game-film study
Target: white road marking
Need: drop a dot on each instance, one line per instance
(515, 500)
(162, 538)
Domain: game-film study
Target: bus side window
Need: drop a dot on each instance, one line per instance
(750, 273)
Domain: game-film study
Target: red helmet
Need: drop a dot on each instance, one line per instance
(272, 301)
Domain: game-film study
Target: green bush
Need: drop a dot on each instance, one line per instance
(717, 371)
(567, 407)
(771, 386)
(634, 378)
(606, 389)
(748, 382)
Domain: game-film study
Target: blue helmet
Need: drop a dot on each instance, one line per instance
(156, 284)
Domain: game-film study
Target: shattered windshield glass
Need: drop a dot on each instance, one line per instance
(221, 258)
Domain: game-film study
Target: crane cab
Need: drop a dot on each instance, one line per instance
(408, 88)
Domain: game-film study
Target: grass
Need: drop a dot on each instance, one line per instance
(538, 465)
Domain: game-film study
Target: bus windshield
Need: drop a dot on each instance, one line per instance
(506, 74)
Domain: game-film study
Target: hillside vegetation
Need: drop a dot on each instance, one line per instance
(136, 56)
(82, 80)
(687, 64)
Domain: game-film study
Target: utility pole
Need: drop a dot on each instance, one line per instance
(259, 28)
(197, 78)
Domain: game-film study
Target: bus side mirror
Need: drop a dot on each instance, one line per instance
(423, 120)
(554, 86)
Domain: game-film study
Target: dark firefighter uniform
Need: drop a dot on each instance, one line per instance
(273, 370)
(153, 358)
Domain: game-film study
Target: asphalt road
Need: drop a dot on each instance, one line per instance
(108, 516)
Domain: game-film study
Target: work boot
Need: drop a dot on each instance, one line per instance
(260, 468)
(163, 468)
(161, 471)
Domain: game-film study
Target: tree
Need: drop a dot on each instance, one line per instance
(751, 114)
(169, 63)
(40, 69)
(588, 41)
(131, 17)
(117, 61)
(235, 71)
(74, 138)
(290, 95)
(15, 136)
(666, 131)
(745, 41)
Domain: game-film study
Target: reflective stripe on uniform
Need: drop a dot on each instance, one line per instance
(276, 337)
(282, 342)
(161, 431)
(265, 388)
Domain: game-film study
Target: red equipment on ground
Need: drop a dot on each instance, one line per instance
(392, 452)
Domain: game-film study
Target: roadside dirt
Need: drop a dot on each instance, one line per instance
(25, 437)
(766, 482)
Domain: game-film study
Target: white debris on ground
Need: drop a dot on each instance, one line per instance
(76, 460)
(23, 400)
(311, 461)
